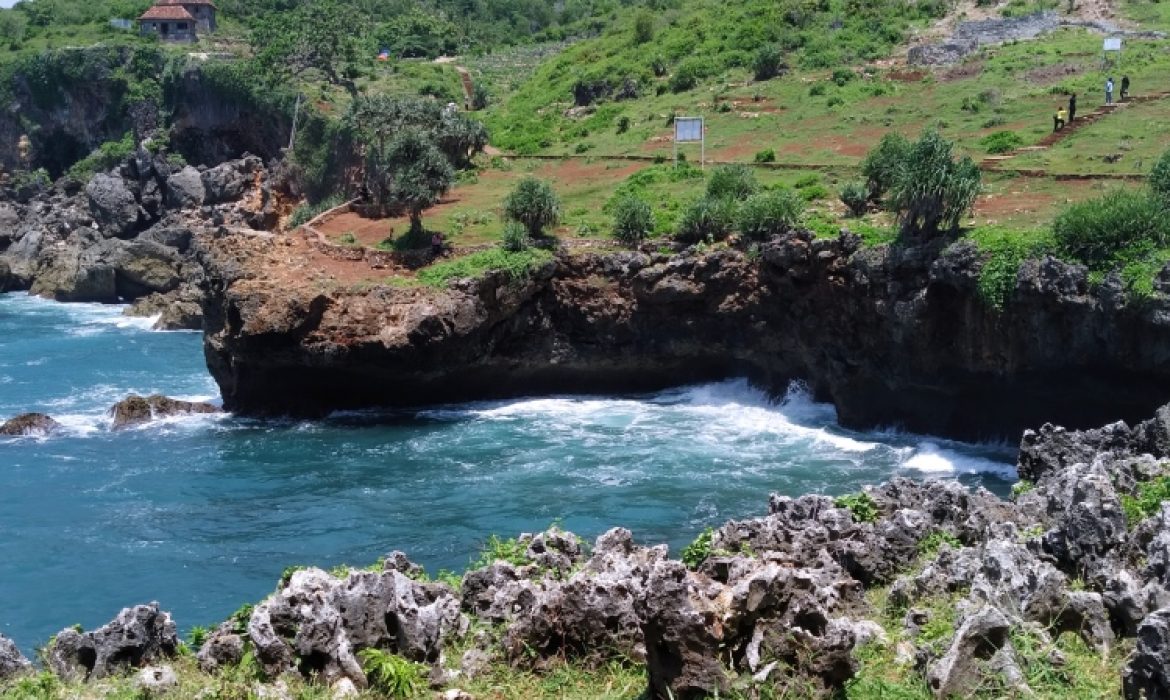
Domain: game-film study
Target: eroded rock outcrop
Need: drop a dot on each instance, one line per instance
(136, 410)
(138, 636)
(888, 334)
(29, 424)
(12, 662)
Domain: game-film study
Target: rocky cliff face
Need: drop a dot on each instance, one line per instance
(890, 335)
(126, 236)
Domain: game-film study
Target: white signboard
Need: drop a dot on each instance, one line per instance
(688, 129)
(1113, 43)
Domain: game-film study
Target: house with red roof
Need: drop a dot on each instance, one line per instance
(178, 20)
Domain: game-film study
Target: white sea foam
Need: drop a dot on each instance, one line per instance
(930, 458)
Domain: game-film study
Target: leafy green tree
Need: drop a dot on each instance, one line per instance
(12, 27)
(534, 204)
(768, 62)
(882, 163)
(375, 119)
(317, 37)
(932, 190)
(409, 174)
(1159, 179)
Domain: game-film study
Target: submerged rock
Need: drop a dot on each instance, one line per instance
(136, 410)
(29, 424)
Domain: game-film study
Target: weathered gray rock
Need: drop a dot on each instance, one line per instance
(138, 636)
(12, 662)
(136, 410)
(323, 621)
(156, 680)
(178, 310)
(982, 637)
(184, 189)
(227, 181)
(29, 424)
(8, 280)
(112, 204)
(70, 274)
(1147, 672)
(223, 648)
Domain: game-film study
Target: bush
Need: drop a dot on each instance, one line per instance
(1159, 179)
(697, 552)
(1122, 224)
(707, 218)
(534, 204)
(307, 212)
(855, 197)
(643, 27)
(841, 76)
(104, 157)
(860, 505)
(392, 675)
(633, 220)
(623, 124)
(767, 155)
(515, 238)
(767, 214)
(882, 163)
(932, 190)
(480, 97)
(1001, 142)
(732, 181)
(816, 90)
(687, 75)
(768, 62)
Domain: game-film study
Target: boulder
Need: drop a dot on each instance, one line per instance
(8, 280)
(69, 273)
(223, 648)
(12, 662)
(136, 410)
(112, 204)
(29, 424)
(156, 680)
(1147, 671)
(980, 647)
(178, 310)
(137, 637)
(185, 189)
(227, 181)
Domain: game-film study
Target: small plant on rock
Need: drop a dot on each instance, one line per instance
(1021, 487)
(534, 204)
(390, 674)
(1146, 501)
(861, 505)
(697, 552)
(933, 542)
(499, 549)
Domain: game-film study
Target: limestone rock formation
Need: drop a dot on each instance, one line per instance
(12, 662)
(29, 424)
(138, 636)
(136, 410)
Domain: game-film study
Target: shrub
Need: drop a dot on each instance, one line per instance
(1159, 179)
(768, 62)
(816, 90)
(515, 238)
(932, 190)
(707, 218)
(306, 212)
(882, 163)
(841, 76)
(733, 181)
(1001, 142)
(814, 192)
(623, 124)
(687, 75)
(767, 155)
(766, 214)
(104, 157)
(860, 505)
(933, 542)
(480, 97)
(633, 220)
(1146, 501)
(855, 197)
(501, 549)
(390, 674)
(1120, 225)
(697, 552)
(534, 204)
(643, 27)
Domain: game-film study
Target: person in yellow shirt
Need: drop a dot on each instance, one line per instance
(1059, 119)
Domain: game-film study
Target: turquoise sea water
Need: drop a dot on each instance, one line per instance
(203, 513)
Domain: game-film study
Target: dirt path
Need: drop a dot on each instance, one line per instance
(468, 86)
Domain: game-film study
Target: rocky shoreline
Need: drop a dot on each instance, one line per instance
(955, 587)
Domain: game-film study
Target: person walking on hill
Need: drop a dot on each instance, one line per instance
(1124, 88)
(1072, 108)
(1109, 91)
(1059, 119)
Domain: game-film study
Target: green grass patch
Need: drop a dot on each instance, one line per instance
(860, 504)
(1005, 250)
(1146, 501)
(518, 265)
